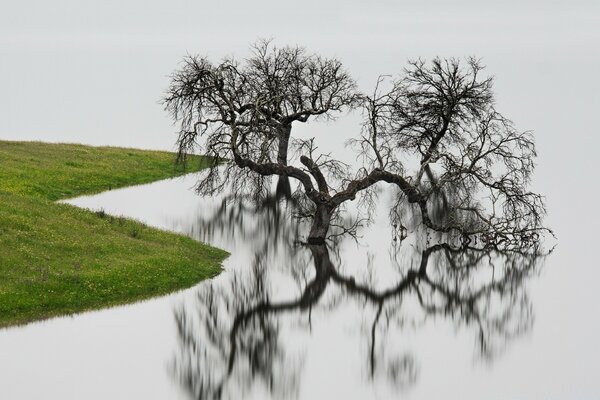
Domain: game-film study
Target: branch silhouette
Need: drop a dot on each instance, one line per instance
(433, 133)
(230, 342)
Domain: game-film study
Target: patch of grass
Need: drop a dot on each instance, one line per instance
(60, 171)
(58, 259)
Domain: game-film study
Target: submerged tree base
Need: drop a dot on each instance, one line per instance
(57, 259)
(315, 241)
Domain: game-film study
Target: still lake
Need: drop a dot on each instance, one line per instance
(508, 329)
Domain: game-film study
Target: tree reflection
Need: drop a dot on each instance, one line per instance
(230, 338)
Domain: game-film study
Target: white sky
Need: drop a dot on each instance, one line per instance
(94, 71)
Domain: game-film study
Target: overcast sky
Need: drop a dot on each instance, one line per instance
(94, 71)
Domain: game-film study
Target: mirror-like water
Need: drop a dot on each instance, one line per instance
(367, 319)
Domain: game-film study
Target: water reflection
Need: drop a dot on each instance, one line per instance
(231, 343)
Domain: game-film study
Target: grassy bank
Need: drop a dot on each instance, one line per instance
(57, 259)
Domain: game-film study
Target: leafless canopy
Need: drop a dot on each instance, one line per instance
(469, 167)
(433, 133)
(244, 110)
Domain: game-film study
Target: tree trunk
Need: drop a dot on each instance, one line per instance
(284, 141)
(283, 184)
(284, 189)
(320, 224)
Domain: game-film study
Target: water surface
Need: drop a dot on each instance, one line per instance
(366, 331)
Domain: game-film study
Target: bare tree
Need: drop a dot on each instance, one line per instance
(434, 135)
(244, 111)
(467, 168)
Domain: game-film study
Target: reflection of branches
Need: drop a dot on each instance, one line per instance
(484, 288)
(268, 223)
(206, 362)
(236, 341)
(259, 223)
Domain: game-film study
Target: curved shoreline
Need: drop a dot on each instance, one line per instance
(58, 259)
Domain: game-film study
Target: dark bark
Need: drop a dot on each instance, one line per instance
(320, 224)
(378, 175)
(283, 143)
(269, 169)
(317, 174)
(284, 189)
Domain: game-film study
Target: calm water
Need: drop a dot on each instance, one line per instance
(497, 327)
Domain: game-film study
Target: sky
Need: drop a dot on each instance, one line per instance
(94, 71)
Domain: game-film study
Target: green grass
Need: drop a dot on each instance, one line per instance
(59, 171)
(57, 259)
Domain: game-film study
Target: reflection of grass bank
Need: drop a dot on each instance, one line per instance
(58, 259)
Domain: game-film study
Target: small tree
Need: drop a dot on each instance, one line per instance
(244, 111)
(434, 134)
